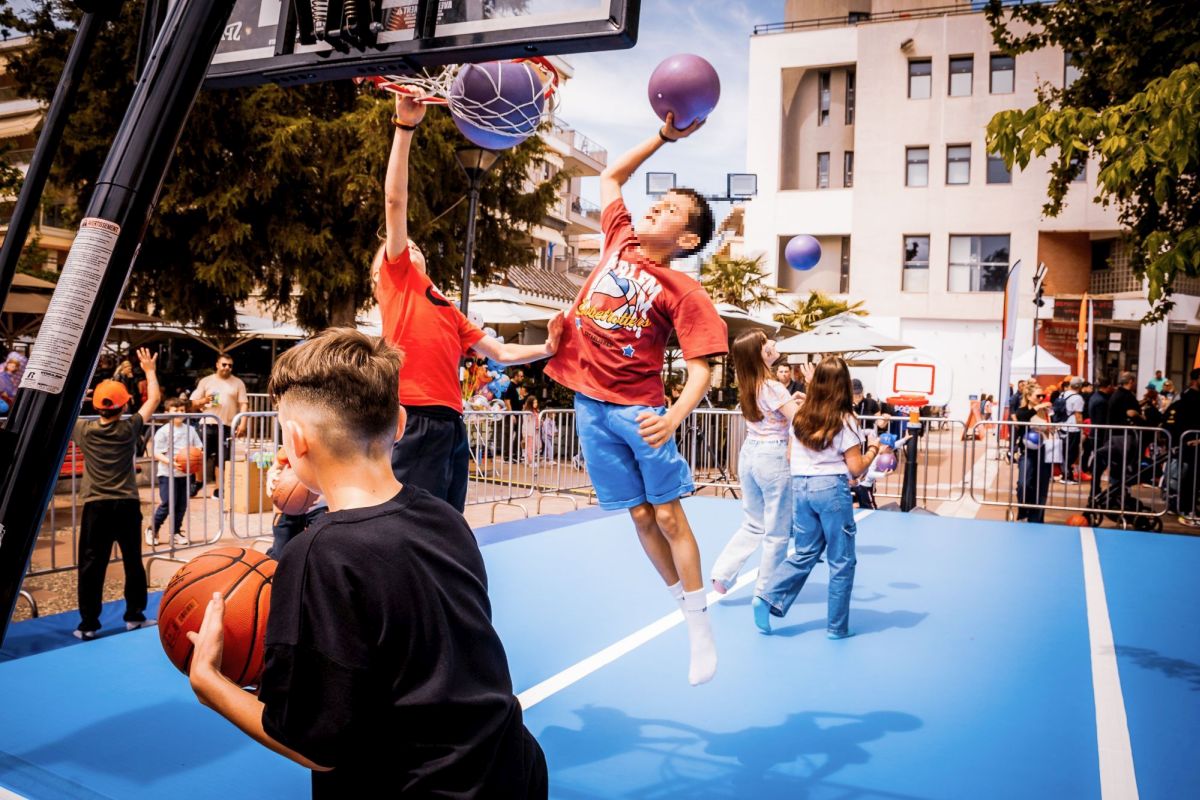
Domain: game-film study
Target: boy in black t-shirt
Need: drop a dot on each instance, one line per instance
(383, 672)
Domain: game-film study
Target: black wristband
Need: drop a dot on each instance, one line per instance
(402, 126)
(663, 136)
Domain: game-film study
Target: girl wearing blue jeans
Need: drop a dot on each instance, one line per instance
(826, 453)
(768, 408)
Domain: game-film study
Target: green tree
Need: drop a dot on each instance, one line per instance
(278, 191)
(817, 306)
(737, 281)
(1135, 106)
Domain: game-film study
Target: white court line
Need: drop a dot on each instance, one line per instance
(1117, 778)
(581, 669)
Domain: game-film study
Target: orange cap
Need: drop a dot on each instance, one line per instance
(110, 394)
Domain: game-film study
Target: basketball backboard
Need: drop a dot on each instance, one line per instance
(915, 373)
(298, 41)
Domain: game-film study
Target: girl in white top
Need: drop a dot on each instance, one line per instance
(762, 464)
(826, 453)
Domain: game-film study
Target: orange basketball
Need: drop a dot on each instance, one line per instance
(291, 496)
(243, 577)
(191, 462)
(1077, 520)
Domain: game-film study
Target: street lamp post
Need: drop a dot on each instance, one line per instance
(476, 162)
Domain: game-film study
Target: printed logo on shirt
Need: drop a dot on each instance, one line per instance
(435, 297)
(621, 298)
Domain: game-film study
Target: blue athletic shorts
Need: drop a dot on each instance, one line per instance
(625, 471)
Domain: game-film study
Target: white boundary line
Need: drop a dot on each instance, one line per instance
(581, 669)
(1118, 780)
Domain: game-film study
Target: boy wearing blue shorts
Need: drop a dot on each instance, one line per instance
(611, 355)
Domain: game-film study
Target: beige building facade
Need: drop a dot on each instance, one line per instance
(867, 130)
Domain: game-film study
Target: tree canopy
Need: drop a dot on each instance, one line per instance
(1135, 106)
(737, 281)
(277, 192)
(808, 311)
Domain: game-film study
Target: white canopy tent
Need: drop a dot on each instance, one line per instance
(1047, 364)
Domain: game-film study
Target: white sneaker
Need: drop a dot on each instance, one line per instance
(151, 538)
(146, 623)
(181, 540)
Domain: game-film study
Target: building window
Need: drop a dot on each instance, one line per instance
(920, 79)
(1070, 69)
(1003, 72)
(850, 97)
(961, 72)
(978, 264)
(848, 169)
(822, 170)
(996, 171)
(844, 279)
(958, 164)
(823, 99)
(1079, 165)
(917, 173)
(915, 277)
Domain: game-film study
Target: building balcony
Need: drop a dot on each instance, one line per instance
(583, 216)
(579, 153)
(863, 17)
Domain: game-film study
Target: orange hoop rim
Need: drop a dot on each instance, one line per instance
(397, 84)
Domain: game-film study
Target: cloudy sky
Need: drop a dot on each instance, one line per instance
(607, 100)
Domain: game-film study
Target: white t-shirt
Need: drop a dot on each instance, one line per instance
(772, 396)
(228, 396)
(1074, 406)
(829, 461)
(185, 436)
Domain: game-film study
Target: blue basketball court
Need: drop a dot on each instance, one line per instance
(991, 660)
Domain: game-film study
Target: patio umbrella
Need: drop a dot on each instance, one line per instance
(828, 341)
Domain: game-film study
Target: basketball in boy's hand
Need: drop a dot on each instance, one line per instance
(291, 496)
(191, 461)
(243, 577)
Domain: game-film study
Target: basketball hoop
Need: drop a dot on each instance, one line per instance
(908, 404)
(432, 86)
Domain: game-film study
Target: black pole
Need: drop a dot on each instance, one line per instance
(81, 310)
(47, 144)
(469, 256)
(908, 487)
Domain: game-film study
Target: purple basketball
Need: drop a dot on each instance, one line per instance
(885, 462)
(802, 252)
(686, 85)
(497, 104)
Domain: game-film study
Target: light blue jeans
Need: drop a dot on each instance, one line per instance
(822, 519)
(766, 512)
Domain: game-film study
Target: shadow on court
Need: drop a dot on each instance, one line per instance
(799, 757)
(136, 745)
(862, 621)
(1175, 668)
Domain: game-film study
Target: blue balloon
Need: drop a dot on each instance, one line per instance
(802, 252)
(1033, 439)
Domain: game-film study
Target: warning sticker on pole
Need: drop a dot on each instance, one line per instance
(62, 327)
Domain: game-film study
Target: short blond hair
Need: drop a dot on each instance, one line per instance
(351, 379)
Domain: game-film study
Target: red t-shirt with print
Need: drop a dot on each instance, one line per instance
(617, 329)
(431, 331)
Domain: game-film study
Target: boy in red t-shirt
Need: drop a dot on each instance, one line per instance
(611, 354)
(434, 336)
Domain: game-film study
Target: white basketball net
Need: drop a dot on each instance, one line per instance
(493, 114)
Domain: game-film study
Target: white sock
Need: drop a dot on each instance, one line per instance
(704, 648)
(676, 590)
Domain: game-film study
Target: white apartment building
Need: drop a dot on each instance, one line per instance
(867, 126)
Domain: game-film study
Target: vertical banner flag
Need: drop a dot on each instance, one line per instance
(1009, 334)
(1091, 338)
(1081, 340)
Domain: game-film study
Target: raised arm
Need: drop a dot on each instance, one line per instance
(409, 114)
(149, 364)
(622, 169)
(514, 354)
(656, 429)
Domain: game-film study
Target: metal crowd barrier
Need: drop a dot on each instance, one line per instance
(941, 458)
(710, 440)
(1107, 473)
(1183, 482)
(505, 457)
(563, 474)
(57, 547)
(252, 454)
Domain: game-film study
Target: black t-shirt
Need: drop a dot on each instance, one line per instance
(382, 662)
(1122, 401)
(513, 396)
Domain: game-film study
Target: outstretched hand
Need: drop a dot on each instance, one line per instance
(409, 110)
(554, 333)
(671, 133)
(209, 642)
(147, 360)
(806, 372)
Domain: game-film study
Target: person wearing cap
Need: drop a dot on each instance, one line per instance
(863, 406)
(112, 507)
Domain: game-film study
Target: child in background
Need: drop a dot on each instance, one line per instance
(529, 429)
(383, 673)
(112, 507)
(768, 408)
(826, 454)
(171, 444)
(549, 430)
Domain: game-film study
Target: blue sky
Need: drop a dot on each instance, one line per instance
(607, 102)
